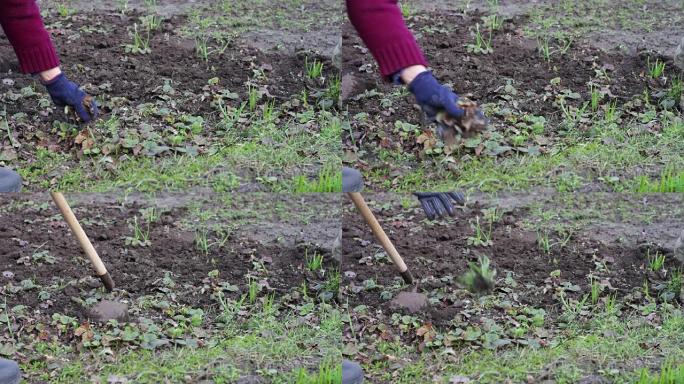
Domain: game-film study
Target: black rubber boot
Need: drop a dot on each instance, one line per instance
(9, 372)
(351, 373)
(352, 181)
(10, 181)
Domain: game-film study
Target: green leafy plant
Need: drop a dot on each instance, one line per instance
(595, 291)
(544, 48)
(656, 262)
(141, 44)
(481, 237)
(406, 9)
(655, 69)
(493, 22)
(314, 69)
(544, 242)
(480, 276)
(151, 22)
(314, 262)
(141, 237)
(669, 374)
(482, 45)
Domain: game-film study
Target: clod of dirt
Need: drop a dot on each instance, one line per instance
(679, 248)
(347, 85)
(593, 379)
(107, 310)
(679, 55)
(251, 379)
(412, 302)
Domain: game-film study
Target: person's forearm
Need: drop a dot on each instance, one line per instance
(23, 25)
(381, 26)
(409, 73)
(50, 74)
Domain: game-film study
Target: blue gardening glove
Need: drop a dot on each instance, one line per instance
(434, 97)
(438, 205)
(65, 92)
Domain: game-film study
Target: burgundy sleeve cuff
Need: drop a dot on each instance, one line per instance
(38, 59)
(397, 56)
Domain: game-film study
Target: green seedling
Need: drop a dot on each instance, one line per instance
(610, 305)
(544, 48)
(675, 91)
(655, 69)
(674, 285)
(596, 97)
(481, 238)
(493, 22)
(151, 22)
(314, 70)
(64, 10)
(141, 238)
(332, 282)
(544, 242)
(656, 262)
(268, 304)
(269, 113)
(314, 262)
(202, 47)
(253, 97)
(122, 6)
(566, 46)
(201, 241)
(43, 256)
(572, 115)
(406, 9)
(595, 291)
(140, 45)
(480, 277)
(334, 88)
(611, 112)
(253, 290)
(482, 45)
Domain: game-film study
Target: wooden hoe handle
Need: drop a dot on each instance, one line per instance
(381, 236)
(82, 238)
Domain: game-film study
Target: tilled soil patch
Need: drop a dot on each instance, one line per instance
(40, 257)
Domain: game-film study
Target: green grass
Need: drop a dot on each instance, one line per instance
(599, 163)
(669, 181)
(581, 351)
(329, 180)
(271, 347)
(668, 374)
(250, 161)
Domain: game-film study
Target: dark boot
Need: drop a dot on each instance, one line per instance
(9, 372)
(10, 181)
(351, 373)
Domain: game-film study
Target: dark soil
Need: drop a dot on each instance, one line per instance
(483, 77)
(97, 61)
(439, 254)
(136, 270)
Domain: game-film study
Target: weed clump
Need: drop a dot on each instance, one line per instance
(480, 276)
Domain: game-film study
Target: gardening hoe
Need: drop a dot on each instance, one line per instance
(83, 240)
(380, 234)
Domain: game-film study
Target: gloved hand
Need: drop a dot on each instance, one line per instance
(433, 96)
(65, 92)
(438, 205)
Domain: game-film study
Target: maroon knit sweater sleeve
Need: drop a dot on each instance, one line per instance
(21, 21)
(382, 28)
